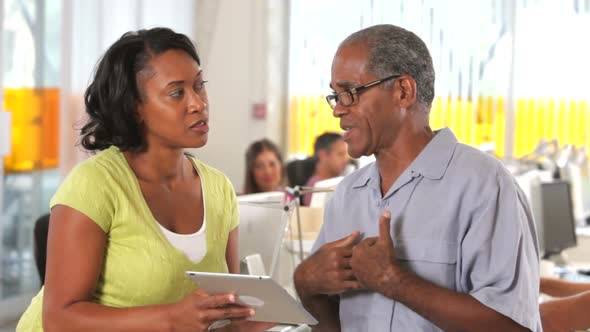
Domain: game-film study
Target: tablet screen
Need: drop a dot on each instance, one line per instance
(271, 301)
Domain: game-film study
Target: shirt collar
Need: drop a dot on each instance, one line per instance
(432, 162)
(372, 172)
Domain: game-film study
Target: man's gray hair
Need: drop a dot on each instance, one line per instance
(394, 50)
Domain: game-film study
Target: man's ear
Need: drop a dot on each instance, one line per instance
(407, 91)
(322, 154)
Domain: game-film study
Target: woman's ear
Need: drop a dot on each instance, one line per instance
(139, 111)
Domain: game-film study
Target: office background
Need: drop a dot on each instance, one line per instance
(509, 75)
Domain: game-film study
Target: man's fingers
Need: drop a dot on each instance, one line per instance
(352, 284)
(348, 241)
(343, 252)
(347, 274)
(385, 227)
(344, 263)
(369, 241)
(363, 245)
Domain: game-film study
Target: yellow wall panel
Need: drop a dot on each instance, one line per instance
(35, 128)
(474, 122)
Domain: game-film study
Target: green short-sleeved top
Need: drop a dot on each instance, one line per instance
(141, 267)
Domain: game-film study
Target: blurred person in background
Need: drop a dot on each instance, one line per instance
(331, 160)
(264, 168)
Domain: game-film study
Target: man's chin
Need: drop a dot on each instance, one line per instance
(355, 154)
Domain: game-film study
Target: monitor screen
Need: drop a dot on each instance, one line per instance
(271, 197)
(319, 199)
(530, 183)
(558, 217)
(261, 231)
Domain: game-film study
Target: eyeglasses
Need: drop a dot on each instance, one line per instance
(346, 98)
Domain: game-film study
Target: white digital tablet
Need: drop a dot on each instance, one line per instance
(271, 301)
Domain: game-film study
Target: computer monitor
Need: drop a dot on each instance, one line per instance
(530, 183)
(272, 197)
(263, 223)
(319, 199)
(559, 228)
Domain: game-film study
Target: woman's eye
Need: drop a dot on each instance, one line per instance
(200, 85)
(176, 93)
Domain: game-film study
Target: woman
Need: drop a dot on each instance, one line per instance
(128, 222)
(264, 168)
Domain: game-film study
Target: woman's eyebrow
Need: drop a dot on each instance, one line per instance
(181, 82)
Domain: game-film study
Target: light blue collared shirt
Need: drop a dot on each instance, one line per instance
(459, 220)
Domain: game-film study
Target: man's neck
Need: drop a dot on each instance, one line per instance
(394, 160)
(323, 172)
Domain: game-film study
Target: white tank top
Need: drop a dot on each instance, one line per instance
(194, 245)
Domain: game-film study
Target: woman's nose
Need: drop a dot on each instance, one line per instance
(196, 103)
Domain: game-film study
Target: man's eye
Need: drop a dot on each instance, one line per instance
(176, 93)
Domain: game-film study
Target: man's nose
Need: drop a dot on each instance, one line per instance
(339, 110)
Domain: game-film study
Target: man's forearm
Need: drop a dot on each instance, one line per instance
(449, 310)
(323, 307)
(325, 310)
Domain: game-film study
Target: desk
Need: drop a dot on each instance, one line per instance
(580, 254)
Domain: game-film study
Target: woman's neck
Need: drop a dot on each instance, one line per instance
(161, 165)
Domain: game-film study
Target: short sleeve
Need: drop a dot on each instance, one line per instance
(232, 202)
(499, 255)
(328, 216)
(86, 189)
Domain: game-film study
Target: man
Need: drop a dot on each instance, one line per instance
(569, 310)
(434, 235)
(332, 158)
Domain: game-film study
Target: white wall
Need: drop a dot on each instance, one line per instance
(243, 54)
(88, 29)
(242, 47)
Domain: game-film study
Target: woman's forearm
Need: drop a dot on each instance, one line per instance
(559, 288)
(566, 314)
(88, 316)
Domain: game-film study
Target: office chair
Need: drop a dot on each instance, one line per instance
(40, 245)
(300, 170)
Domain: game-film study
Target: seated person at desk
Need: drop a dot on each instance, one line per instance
(332, 158)
(435, 235)
(569, 310)
(128, 222)
(264, 168)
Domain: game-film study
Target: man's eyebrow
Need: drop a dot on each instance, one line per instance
(343, 85)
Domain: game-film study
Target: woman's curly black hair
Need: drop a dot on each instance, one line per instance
(112, 97)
